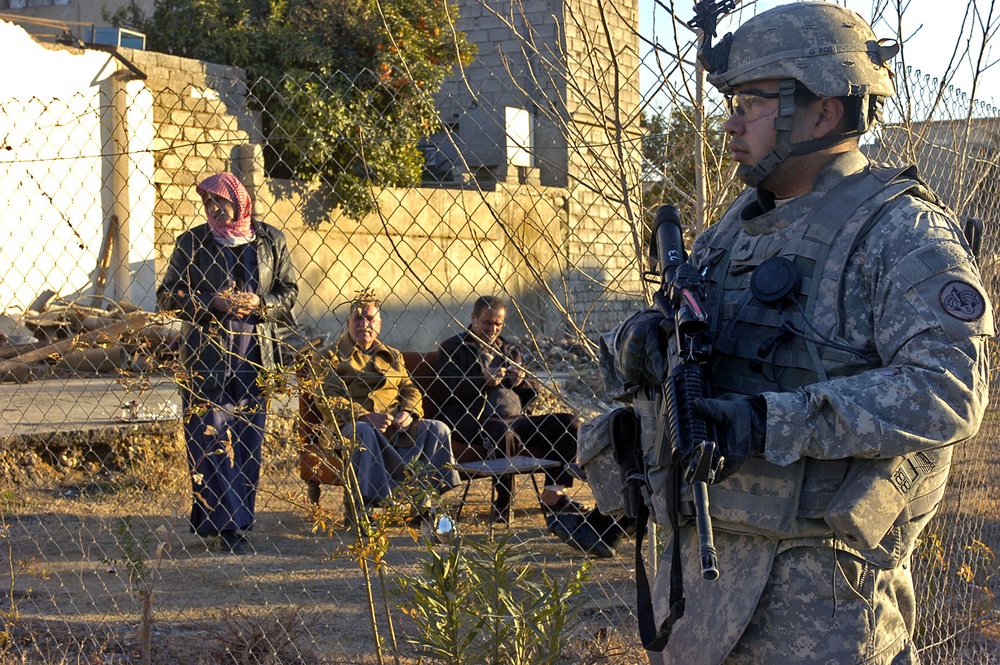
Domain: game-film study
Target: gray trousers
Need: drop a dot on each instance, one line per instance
(818, 606)
(821, 605)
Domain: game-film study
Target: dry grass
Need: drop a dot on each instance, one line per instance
(300, 599)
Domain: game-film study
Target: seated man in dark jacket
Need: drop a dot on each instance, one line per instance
(483, 392)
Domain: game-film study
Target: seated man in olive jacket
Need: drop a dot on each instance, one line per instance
(371, 398)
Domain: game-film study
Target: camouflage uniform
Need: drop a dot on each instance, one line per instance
(886, 367)
(783, 578)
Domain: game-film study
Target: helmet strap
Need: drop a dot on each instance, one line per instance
(783, 123)
(785, 148)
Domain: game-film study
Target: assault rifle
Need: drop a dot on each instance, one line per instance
(683, 445)
(684, 439)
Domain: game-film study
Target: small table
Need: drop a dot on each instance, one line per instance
(502, 469)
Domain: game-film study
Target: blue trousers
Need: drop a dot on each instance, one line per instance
(224, 454)
(380, 466)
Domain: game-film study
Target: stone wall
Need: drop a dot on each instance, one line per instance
(564, 247)
(200, 119)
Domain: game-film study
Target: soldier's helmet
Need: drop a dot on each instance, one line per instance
(829, 49)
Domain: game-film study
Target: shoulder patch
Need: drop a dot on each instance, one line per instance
(962, 300)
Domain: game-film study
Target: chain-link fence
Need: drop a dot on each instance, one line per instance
(951, 140)
(539, 200)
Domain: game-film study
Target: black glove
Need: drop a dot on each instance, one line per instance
(642, 354)
(741, 423)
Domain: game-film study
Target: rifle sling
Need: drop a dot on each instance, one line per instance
(653, 639)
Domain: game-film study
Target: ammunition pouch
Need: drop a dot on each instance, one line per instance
(874, 507)
(602, 441)
(884, 504)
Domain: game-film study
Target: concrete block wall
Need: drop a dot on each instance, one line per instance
(199, 112)
(554, 58)
(604, 275)
(428, 254)
(518, 65)
(603, 158)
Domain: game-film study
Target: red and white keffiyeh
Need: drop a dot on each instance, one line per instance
(230, 188)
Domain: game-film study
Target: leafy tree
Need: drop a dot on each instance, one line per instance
(668, 159)
(345, 85)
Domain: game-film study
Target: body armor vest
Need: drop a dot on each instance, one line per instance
(756, 350)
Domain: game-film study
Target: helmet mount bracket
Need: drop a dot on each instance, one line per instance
(706, 20)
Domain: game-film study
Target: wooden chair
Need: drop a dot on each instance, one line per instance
(318, 465)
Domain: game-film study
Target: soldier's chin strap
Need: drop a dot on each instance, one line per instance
(756, 174)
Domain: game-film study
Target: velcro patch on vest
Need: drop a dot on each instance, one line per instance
(915, 466)
(962, 300)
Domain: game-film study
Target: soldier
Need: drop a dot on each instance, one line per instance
(837, 403)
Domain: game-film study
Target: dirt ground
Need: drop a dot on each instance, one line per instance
(96, 524)
(93, 525)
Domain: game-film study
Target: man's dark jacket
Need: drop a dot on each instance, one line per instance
(460, 388)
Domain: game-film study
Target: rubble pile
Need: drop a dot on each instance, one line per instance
(56, 338)
(566, 355)
(568, 370)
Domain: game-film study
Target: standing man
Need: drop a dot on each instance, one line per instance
(369, 395)
(836, 404)
(483, 392)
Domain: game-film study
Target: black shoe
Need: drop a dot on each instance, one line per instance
(232, 542)
(574, 530)
(418, 516)
(566, 505)
(610, 529)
